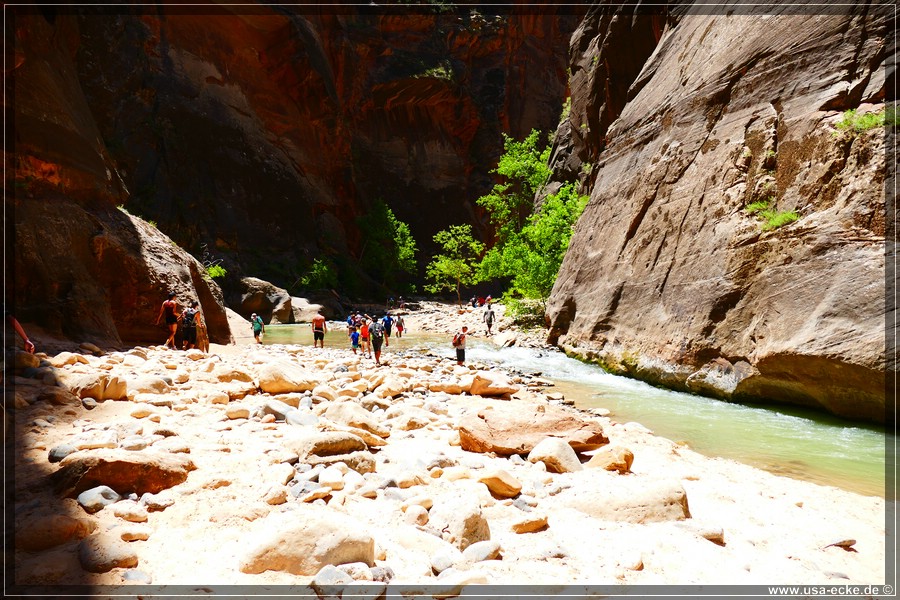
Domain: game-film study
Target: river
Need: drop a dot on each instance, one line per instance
(794, 442)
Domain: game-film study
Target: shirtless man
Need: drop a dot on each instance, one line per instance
(319, 328)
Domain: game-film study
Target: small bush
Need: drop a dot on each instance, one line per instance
(771, 218)
(856, 123)
(757, 207)
(321, 275)
(775, 219)
(566, 109)
(215, 271)
(442, 71)
(524, 312)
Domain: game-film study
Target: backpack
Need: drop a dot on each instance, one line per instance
(376, 331)
(457, 340)
(188, 317)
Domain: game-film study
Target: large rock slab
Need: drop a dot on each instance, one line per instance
(306, 539)
(360, 461)
(354, 415)
(282, 377)
(490, 383)
(519, 427)
(501, 483)
(147, 384)
(269, 301)
(40, 533)
(557, 455)
(629, 499)
(303, 310)
(121, 470)
(99, 386)
(327, 443)
(102, 552)
(460, 519)
(611, 458)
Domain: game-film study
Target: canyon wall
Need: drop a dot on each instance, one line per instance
(669, 277)
(257, 136)
(76, 265)
(266, 133)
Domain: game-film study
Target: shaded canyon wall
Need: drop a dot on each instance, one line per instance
(76, 266)
(261, 134)
(267, 133)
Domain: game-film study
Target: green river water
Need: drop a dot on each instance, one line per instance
(794, 442)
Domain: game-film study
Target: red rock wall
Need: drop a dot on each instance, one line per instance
(264, 133)
(276, 131)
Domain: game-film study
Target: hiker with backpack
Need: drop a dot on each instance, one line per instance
(259, 327)
(189, 325)
(376, 335)
(459, 342)
(387, 321)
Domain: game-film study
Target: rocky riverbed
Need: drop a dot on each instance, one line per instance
(288, 465)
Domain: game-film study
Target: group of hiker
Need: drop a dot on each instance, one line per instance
(367, 334)
(193, 327)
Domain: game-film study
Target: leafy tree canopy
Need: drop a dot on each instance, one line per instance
(532, 257)
(458, 264)
(388, 245)
(524, 168)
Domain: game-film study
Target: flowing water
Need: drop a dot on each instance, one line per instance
(794, 442)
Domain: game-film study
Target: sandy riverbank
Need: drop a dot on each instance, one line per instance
(405, 497)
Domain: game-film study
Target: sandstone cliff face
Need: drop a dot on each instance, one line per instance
(268, 132)
(263, 133)
(668, 278)
(79, 267)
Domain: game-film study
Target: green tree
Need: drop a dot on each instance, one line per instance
(388, 245)
(524, 169)
(458, 265)
(321, 275)
(532, 257)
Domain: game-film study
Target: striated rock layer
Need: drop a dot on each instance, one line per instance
(668, 277)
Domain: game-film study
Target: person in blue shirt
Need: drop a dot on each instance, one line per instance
(387, 321)
(354, 339)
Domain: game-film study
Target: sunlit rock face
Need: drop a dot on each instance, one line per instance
(669, 277)
(256, 137)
